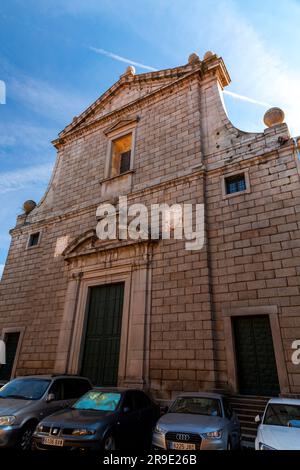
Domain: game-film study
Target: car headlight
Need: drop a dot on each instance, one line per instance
(7, 420)
(159, 429)
(213, 435)
(40, 428)
(83, 432)
(263, 446)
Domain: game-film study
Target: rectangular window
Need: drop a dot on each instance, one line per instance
(11, 342)
(235, 184)
(125, 161)
(34, 239)
(121, 155)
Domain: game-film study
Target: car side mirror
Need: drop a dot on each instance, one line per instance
(257, 419)
(50, 397)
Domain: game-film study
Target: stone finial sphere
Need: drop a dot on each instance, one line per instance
(28, 206)
(193, 58)
(130, 70)
(273, 117)
(208, 55)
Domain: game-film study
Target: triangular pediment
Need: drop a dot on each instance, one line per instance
(85, 241)
(120, 124)
(128, 89)
(88, 243)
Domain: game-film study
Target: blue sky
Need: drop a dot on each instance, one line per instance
(58, 56)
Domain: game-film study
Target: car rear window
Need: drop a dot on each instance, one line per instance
(97, 400)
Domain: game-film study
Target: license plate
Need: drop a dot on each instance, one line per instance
(52, 441)
(182, 446)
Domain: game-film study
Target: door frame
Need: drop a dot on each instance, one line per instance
(134, 353)
(14, 329)
(77, 347)
(86, 318)
(272, 312)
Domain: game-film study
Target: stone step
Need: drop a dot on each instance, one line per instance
(252, 426)
(246, 408)
(245, 418)
(245, 412)
(248, 404)
(246, 431)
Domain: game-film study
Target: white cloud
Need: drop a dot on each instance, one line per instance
(41, 97)
(120, 58)
(36, 138)
(44, 99)
(257, 66)
(23, 178)
(148, 67)
(1, 270)
(246, 98)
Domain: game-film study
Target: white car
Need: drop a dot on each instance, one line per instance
(279, 429)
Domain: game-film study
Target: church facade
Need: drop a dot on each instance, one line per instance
(150, 313)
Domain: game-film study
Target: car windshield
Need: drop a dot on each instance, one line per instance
(197, 406)
(278, 414)
(26, 389)
(99, 401)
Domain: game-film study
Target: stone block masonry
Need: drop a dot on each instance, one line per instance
(178, 330)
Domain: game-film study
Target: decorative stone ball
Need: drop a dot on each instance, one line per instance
(193, 58)
(28, 206)
(130, 70)
(208, 55)
(273, 117)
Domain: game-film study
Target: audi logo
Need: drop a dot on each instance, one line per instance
(182, 437)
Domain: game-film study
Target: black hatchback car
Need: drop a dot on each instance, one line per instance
(103, 419)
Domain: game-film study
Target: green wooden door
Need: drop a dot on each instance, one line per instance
(11, 342)
(103, 332)
(256, 364)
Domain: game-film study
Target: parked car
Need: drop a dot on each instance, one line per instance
(103, 419)
(24, 401)
(198, 421)
(279, 429)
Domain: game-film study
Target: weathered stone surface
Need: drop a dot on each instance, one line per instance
(176, 336)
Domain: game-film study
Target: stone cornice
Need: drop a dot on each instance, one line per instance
(246, 159)
(214, 65)
(127, 108)
(201, 171)
(28, 226)
(125, 80)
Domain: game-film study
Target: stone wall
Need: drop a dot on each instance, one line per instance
(184, 146)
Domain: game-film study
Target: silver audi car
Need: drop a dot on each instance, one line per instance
(198, 421)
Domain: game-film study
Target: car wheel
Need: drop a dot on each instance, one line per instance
(25, 438)
(109, 442)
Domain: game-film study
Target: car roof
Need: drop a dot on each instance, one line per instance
(218, 396)
(116, 389)
(285, 401)
(51, 376)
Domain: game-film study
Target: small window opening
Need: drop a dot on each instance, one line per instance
(34, 239)
(235, 184)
